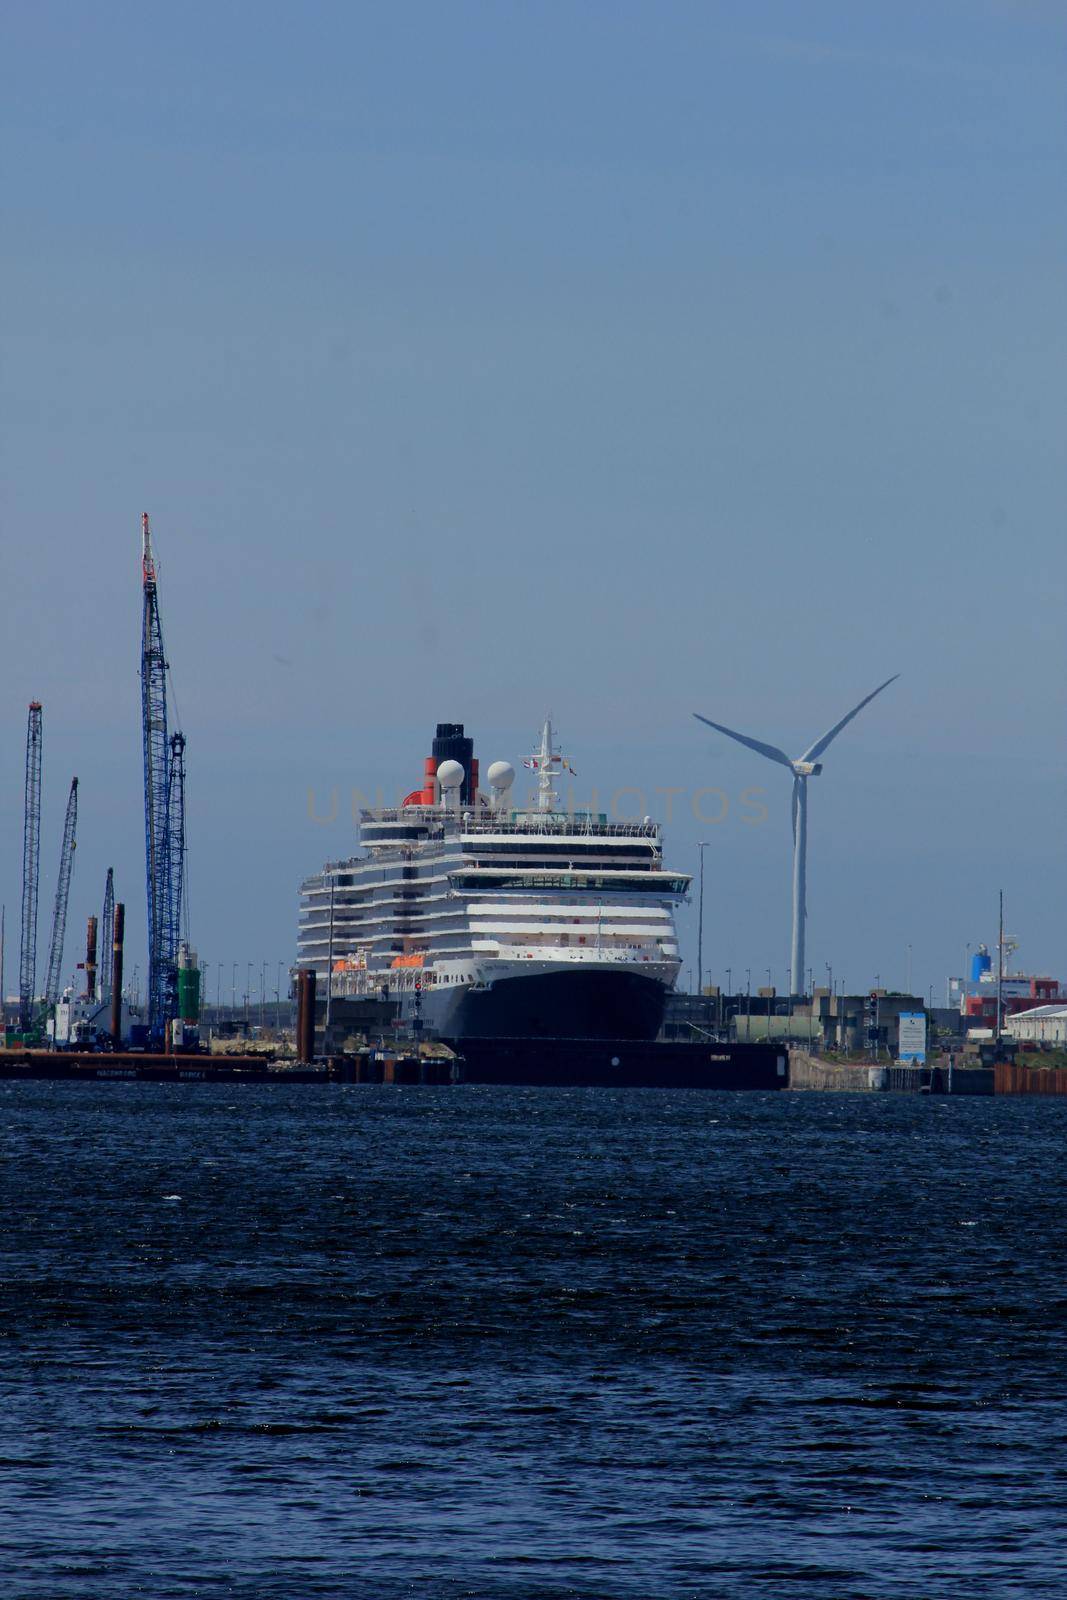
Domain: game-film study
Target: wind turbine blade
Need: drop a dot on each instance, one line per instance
(820, 745)
(769, 750)
(796, 803)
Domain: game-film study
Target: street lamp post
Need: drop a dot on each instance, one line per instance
(1000, 970)
(700, 921)
(329, 965)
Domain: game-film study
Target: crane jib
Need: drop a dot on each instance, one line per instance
(164, 815)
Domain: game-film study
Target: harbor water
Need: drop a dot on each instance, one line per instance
(303, 1343)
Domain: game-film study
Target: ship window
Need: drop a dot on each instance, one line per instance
(638, 883)
(534, 844)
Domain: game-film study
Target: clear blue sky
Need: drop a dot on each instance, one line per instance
(616, 359)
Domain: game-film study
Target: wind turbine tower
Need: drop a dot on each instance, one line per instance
(803, 767)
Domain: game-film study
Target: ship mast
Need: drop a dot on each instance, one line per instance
(546, 794)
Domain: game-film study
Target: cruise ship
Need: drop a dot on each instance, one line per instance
(481, 919)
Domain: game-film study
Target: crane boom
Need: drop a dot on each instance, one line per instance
(59, 910)
(176, 836)
(31, 865)
(162, 952)
(107, 923)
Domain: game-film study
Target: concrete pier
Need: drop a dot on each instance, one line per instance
(812, 1072)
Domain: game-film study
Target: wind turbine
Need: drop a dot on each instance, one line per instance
(804, 767)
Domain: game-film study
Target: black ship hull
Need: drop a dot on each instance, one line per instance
(564, 1005)
(621, 1064)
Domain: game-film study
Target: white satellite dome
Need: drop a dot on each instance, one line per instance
(450, 774)
(501, 775)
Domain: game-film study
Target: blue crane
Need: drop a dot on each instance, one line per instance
(176, 835)
(31, 866)
(107, 934)
(59, 912)
(164, 914)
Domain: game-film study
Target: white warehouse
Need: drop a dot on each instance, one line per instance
(1043, 1025)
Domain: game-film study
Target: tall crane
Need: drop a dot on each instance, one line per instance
(31, 865)
(176, 835)
(162, 948)
(107, 923)
(59, 910)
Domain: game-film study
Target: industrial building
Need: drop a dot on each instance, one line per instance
(828, 1021)
(1041, 1025)
(1018, 991)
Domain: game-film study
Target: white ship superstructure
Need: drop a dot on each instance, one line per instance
(481, 918)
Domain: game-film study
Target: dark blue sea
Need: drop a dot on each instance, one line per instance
(312, 1343)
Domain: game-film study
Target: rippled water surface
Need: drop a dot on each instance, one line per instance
(324, 1342)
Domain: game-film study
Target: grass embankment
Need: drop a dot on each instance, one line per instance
(1039, 1060)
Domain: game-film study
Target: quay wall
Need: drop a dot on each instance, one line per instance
(1012, 1078)
(812, 1072)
